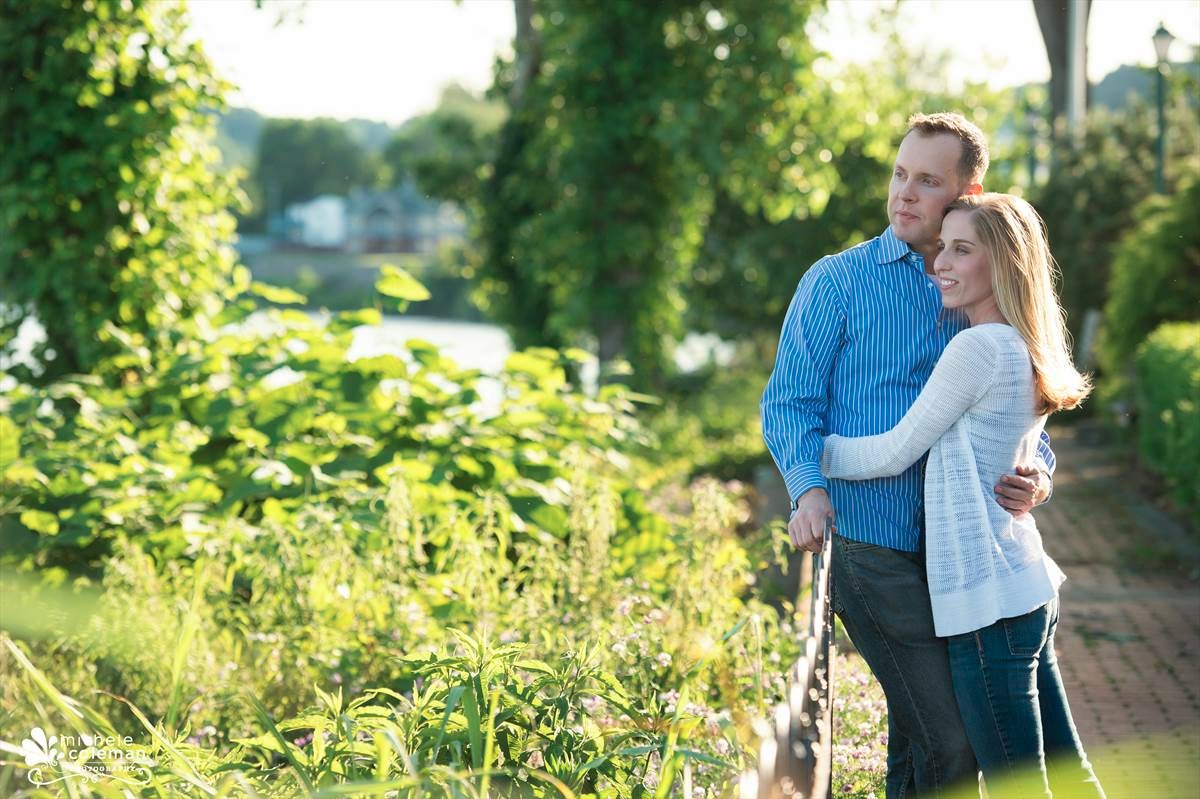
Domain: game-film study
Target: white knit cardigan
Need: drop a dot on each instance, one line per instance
(977, 420)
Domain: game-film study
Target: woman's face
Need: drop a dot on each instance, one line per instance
(963, 272)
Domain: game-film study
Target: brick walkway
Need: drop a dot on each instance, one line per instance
(1129, 631)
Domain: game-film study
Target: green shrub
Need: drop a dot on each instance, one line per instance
(253, 520)
(1089, 199)
(710, 423)
(588, 672)
(1168, 401)
(260, 421)
(1155, 276)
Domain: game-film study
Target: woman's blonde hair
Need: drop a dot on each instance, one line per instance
(1013, 237)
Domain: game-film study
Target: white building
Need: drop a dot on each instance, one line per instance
(400, 219)
(320, 222)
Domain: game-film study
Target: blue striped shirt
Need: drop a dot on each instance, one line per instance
(860, 339)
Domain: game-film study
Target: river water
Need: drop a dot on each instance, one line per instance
(470, 345)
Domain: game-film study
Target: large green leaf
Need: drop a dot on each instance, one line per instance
(396, 282)
(10, 448)
(40, 521)
(277, 294)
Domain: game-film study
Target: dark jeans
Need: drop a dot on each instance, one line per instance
(1012, 701)
(882, 598)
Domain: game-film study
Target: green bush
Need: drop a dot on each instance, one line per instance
(259, 421)
(504, 590)
(1168, 401)
(1155, 276)
(710, 424)
(563, 662)
(1093, 190)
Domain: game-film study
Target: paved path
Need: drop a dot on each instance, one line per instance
(1129, 631)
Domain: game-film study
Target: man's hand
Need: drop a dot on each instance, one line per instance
(1019, 493)
(807, 525)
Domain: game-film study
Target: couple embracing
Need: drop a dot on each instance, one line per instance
(914, 376)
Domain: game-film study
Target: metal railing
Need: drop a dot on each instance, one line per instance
(796, 756)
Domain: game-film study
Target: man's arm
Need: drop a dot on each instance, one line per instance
(795, 401)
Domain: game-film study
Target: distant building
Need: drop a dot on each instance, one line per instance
(321, 222)
(400, 219)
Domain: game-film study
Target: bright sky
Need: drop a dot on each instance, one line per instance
(388, 59)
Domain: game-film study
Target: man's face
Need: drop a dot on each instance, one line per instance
(925, 180)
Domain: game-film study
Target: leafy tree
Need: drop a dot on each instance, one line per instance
(445, 149)
(748, 267)
(114, 224)
(299, 159)
(626, 118)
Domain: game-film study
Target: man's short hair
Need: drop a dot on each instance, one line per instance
(973, 163)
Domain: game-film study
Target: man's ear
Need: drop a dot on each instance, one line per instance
(974, 188)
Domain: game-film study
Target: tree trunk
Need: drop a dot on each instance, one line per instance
(611, 341)
(613, 334)
(529, 52)
(513, 137)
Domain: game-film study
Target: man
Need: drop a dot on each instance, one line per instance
(859, 341)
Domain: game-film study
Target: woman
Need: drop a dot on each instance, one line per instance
(993, 589)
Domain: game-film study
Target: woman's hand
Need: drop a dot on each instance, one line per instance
(1019, 493)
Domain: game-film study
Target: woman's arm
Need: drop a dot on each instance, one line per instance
(959, 380)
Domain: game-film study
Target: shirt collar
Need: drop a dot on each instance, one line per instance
(888, 249)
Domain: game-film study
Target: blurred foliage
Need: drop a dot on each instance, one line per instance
(604, 181)
(115, 225)
(299, 159)
(748, 267)
(691, 187)
(359, 675)
(356, 145)
(445, 149)
(709, 422)
(1149, 346)
(345, 281)
(1168, 403)
(1155, 276)
(1090, 195)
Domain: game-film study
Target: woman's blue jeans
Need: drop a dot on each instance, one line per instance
(1015, 710)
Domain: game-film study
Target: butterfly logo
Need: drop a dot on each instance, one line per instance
(39, 749)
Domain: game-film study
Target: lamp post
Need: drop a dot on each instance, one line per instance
(1162, 45)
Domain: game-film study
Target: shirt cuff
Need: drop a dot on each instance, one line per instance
(1042, 468)
(802, 478)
